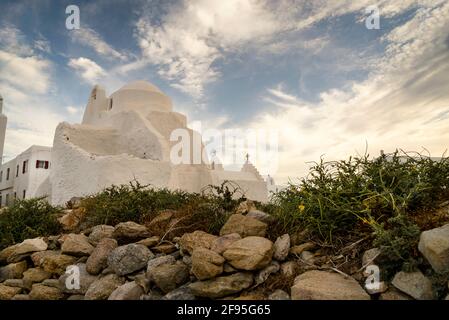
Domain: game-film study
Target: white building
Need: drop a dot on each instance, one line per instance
(25, 176)
(124, 137)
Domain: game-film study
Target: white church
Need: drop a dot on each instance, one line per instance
(122, 138)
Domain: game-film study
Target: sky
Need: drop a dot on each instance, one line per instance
(311, 71)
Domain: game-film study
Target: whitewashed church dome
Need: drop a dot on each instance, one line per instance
(141, 85)
(140, 95)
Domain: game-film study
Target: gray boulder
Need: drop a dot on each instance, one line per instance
(168, 277)
(100, 232)
(434, 246)
(98, 260)
(222, 286)
(415, 284)
(281, 247)
(127, 291)
(323, 285)
(102, 288)
(129, 258)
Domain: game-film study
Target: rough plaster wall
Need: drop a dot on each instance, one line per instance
(95, 107)
(141, 101)
(94, 140)
(191, 178)
(44, 189)
(76, 173)
(32, 180)
(138, 137)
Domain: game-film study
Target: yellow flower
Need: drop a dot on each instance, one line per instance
(301, 207)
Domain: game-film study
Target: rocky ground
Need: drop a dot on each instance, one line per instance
(128, 262)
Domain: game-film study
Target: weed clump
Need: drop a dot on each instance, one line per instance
(206, 211)
(341, 198)
(28, 219)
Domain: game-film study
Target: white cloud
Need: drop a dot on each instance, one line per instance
(90, 38)
(13, 41)
(26, 87)
(73, 110)
(89, 70)
(42, 45)
(14, 69)
(402, 104)
(187, 41)
(195, 35)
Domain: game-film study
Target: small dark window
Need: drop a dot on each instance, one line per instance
(17, 171)
(25, 167)
(1, 176)
(41, 164)
(7, 174)
(24, 194)
(110, 104)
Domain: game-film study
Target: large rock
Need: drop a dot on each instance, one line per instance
(279, 295)
(322, 285)
(18, 283)
(220, 244)
(260, 215)
(98, 260)
(42, 292)
(127, 291)
(7, 292)
(434, 246)
(162, 223)
(53, 261)
(165, 248)
(5, 253)
(72, 219)
(181, 293)
(244, 225)
(13, 271)
(54, 283)
(102, 288)
(100, 232)
(197, 239)
(129, 258)
(206, 263)
(263, 274)
(245, 207)
(76, 245)
(168, 277)
(156, 262)
(126, 232)
(222, 286)
(281, 247)
(150, 242)
(250, 253)
(393, 294)
(415, 284)
(26, 248)
(85, 280)
(34, 275)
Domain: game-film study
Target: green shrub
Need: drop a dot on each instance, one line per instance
(397, 240)
(28, 219)
(341, 198)
(132, 202)
(206, 211)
